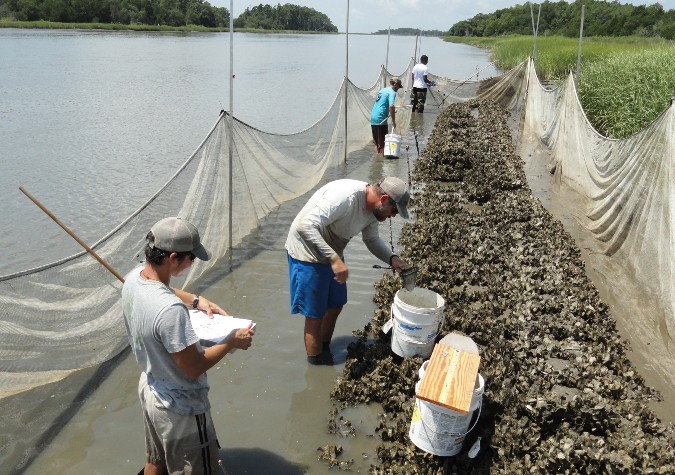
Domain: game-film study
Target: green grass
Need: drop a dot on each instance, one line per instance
(634, 87)
(625, 82)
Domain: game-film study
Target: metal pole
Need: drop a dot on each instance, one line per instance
(231, 144)
(416, 39)
(534, 33)
(581, 38)
(346, 81)
(386, 59)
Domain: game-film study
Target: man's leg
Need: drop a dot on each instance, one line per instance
(319, 331)
(328, 324)
(313, 336)
(422, 100)
(375, 130)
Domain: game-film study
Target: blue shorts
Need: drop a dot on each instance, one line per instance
(314, 288)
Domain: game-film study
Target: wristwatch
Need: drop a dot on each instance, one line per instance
(195, 301)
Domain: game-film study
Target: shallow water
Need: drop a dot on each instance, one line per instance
(270, 407)
(93, 123)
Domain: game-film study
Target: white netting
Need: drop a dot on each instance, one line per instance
(67, 315)
(629, 185)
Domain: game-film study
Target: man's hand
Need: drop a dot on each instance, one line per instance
(209, 307)
(339, 269)
(241, 338)
(398, 264)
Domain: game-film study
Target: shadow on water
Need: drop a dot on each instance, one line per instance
(257, 461)
(27, 429)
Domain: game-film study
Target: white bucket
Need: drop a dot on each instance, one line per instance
(409, 347)
(439, 430)
(392, 144)
(416, 317)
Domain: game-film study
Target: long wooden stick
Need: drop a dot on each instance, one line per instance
(72, 234)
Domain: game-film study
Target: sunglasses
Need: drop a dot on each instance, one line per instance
(187, 254)
(392, 203)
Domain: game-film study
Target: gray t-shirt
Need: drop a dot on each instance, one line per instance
(332, 216)
(158, 323)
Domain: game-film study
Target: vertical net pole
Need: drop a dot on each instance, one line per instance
(386, 58)
(581, 39)
(417, 37)
(231, 143)
(534, 32)
(346, 82)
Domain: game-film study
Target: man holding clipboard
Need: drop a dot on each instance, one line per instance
(179, 432)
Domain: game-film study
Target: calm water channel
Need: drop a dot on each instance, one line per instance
(92, 123)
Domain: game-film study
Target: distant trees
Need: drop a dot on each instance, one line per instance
(284, 17)
(410, 32)
(128, 12)
(165, 12)
(601, 18)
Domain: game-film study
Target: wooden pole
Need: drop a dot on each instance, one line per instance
(72, 234)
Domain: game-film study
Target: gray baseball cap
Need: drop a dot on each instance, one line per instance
(397, 191)
(178, 235)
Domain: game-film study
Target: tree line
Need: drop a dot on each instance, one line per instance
(165, 12)
(561, 18)
(284, 17)
(410, 32)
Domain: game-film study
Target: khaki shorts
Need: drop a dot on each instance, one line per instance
(185, 444)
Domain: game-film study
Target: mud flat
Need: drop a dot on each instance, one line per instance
(561, 395)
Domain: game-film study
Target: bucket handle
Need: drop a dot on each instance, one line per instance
(480, 408)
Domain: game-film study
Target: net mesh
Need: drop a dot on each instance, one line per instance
(67, 315)
(627, 185)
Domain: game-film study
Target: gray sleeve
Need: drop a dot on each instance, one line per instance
(313, 226)
(174, 329)
(309, 229)
(375, 244)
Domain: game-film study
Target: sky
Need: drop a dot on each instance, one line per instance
(367, 16)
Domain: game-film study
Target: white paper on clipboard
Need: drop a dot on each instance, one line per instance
(213, 330)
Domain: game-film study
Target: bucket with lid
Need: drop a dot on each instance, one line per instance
(439, 430)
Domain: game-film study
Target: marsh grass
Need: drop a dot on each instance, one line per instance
(633, 86)
(625, 82)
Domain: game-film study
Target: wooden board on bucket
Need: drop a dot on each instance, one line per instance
(450, 378)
